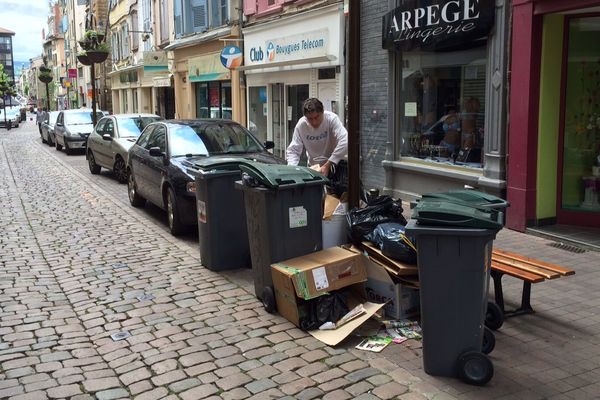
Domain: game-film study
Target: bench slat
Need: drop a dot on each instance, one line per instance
(526, 267)
(538, 263)
(517, 272)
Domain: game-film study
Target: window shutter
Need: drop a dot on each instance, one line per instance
(178, 19)
(249, 7)
(199, 15)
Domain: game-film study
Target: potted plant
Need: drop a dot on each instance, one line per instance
(99, 54)
(83, 58)
(45, 76)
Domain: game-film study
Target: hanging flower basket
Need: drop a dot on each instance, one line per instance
(84, 59)
(85, 44)
(45, 77)
(44, 69)
(97, 56)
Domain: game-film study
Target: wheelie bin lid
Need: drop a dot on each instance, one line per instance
(275, 175)
(469, 197)
(441, 212)
(222, 164)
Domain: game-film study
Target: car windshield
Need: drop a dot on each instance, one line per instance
(133, 127)
(213, 139)
(80, 118)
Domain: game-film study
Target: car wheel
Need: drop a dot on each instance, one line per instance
(58, 146)
(43, 140)
(134, 198)
(94, 168)
(67, 149)
(50, 142)
(175, 225)
(119, 170)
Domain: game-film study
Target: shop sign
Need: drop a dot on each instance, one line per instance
(162, 81)
(437, 24)
(231, 57)
(291, 48)
(207, 68)
(72, 73)
(155, 62)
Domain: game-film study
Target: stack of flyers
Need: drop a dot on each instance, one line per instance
(374, 343)
(395, 335)
(404, 328)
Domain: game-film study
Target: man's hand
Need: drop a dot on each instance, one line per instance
(325, 168)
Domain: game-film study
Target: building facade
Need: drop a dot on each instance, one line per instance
(292, 51)
(6, 52)
(554, 126)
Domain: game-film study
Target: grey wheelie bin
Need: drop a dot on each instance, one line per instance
(222, 232)
(494, 317)
(284, 214)
(454, 248)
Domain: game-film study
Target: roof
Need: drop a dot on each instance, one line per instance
(4, 30)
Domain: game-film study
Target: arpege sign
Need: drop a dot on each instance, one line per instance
(437, 24)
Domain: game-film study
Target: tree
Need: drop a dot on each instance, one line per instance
(7, 90)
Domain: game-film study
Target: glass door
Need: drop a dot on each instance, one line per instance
(257, 112)
(579, 190)
(296, 94)
(277, 120)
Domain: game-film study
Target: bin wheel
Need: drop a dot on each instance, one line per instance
(475, 368)
(494, 317)
(489, 341)
(268, 299)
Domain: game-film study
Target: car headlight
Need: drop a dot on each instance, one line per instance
(74, 134)
(191, 187)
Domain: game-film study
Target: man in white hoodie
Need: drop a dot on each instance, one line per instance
(322, 135)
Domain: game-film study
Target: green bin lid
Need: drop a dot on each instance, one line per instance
(469, 197)
(274, 175)
(448, 213)
(221, 163)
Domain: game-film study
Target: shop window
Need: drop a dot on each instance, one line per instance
(257, 111)
(441, 106)
(581, 147)
(213, 100)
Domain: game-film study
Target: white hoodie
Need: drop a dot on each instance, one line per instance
(327, 142)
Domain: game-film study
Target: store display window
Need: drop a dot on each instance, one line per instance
(441, 106)
(581, 144)
(213, 99)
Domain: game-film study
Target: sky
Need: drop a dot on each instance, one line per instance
(26, 18)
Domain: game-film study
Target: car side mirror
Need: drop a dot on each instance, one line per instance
(107, 137)
(156, 152)
(269, 144)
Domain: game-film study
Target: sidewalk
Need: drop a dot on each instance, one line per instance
(75, 262)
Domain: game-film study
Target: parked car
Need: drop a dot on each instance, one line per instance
(48, 122)
(73, 127)
(161, 164)
(111, 139)
(13, 117)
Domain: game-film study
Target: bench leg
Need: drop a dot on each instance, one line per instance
(499, 296)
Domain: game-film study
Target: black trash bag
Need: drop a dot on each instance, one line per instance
(393, 242)
(362, 221)
(329, 307)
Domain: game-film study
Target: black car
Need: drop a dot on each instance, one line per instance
(161, 164)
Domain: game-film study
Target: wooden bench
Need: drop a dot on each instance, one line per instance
(529, 270)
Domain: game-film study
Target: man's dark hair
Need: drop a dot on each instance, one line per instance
(312, 105)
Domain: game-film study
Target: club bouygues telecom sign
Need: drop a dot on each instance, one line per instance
(437, 24)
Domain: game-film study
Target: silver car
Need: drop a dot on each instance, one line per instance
(73, 127)
(108, 144)
(47, 127)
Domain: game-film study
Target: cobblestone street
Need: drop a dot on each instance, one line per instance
(78, 264)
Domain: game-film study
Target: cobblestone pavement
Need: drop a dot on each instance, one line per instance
(76, 264)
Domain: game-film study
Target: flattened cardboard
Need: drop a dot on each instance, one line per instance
(335, 336)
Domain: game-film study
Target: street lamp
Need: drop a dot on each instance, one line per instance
(46, 77)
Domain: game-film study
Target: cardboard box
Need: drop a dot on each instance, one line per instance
(402, 301)
(300, 279)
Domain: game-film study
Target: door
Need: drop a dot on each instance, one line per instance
(278, 119)
(98, 145)
(257, 112)
(578, 200)
(156, 167)
(296, 95)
